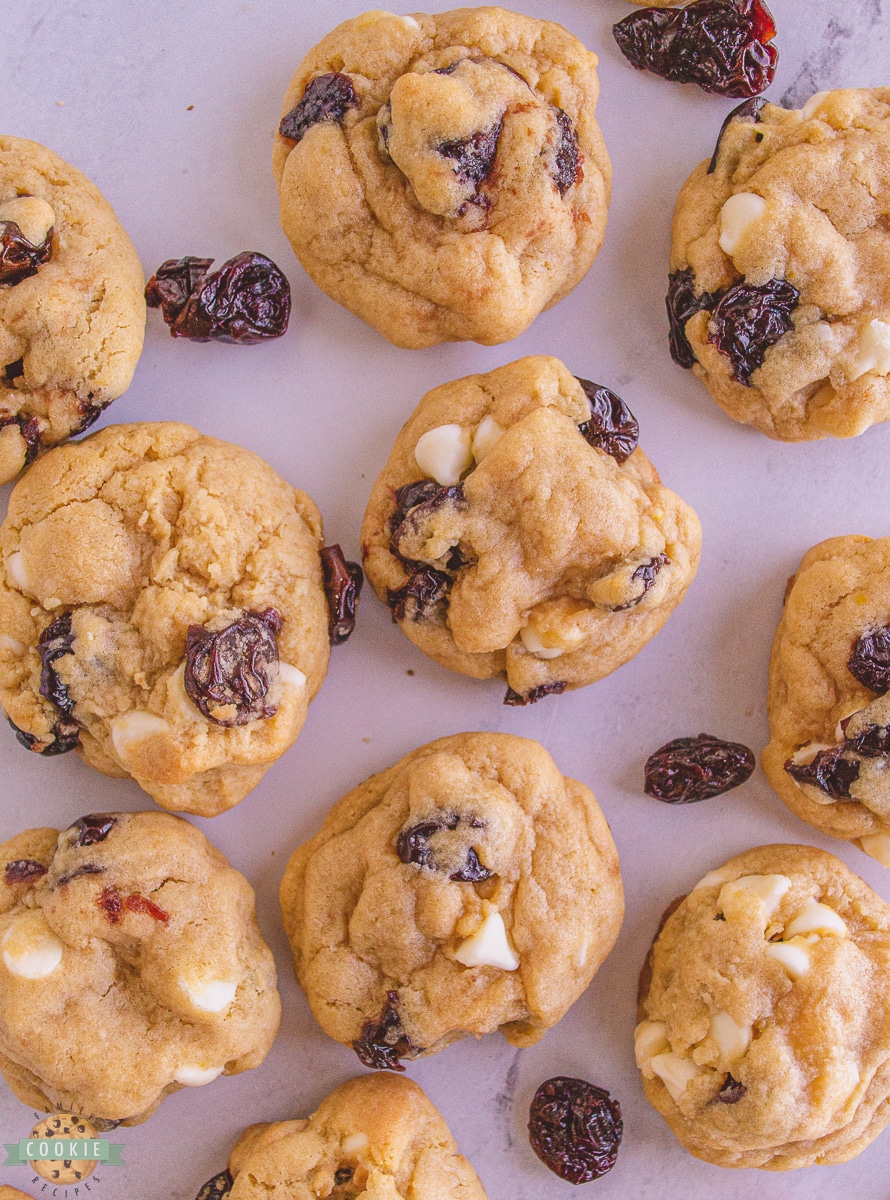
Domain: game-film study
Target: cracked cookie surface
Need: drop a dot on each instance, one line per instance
(444, 177)
(828, 707)
(764, 1035)
(131, 965)
(72, 313)
(162, 610)
(780, 262)
(508, 545)
(470, 887)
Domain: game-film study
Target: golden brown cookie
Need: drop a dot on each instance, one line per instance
(780, 266)
(764, 1035)
(443, 176)
(162, 610)
(829, 710)
(468, 888)
(516, 533)
(131, 965)
(72, 313)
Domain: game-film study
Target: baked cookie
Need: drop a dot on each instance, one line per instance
(72, 314)
(764, 1035)
(131, 965)
(162, 610)
(11, 1193)
(517, 532)
(470, 887)
(829, 679)
(376, 1136)
(779, 294)
(443, 176)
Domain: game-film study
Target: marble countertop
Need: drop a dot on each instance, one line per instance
(170, 109)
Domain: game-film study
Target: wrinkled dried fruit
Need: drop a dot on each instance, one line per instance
(13, 371)
(749, 111)
(425, 589)
(690, 769)
(65, 736)
(18, 258)
(721, 45)
(54, 643)
(383, 1042)
(141, 904)
(682, 304)
(217, 1188)
(422, 505)
(612, 427)
(409, 496)
(89, 413)
(473, 156)
(246, 300)
(567, 160)
(646, 573)
(832, 771)
(343, 1175)
(29, 428)
(23, 870)
(86, 869)
(732, 1091)
(869, 660)
(93, 828)
(575, 1128)
(326, 98)
(342, 584)
(750, 318)
(227, 674)
(516, 700)
(871, 742)
(412, 846)
(111, 904)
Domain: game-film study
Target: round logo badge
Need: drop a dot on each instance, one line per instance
(65, 1170)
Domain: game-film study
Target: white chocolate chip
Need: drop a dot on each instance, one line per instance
(877, 845)
(409, 22)
(736, 896)
(815, 918)
(30, 948)
(650, 1039)
(675, 1072)
(488, 946)
(813, 105)
(34, 217)
(211, 995)
(15, 569)
(355, 1143)
(534, 645)
(292, 675)
(132, 728)
(192, 1076)
(874, 350)
(13, 645)
(737, 216)
(732, 1039)
(487, 434)
(793, 956)
(710, 880)
(444, 453)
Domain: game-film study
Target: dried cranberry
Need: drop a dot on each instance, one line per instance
(425, 589)
(566, 168)
(231, 668)
(721, 45)
(871, 742)
(19, 259)
(23, 870)
(86, 869)
(383, 1042)
(517, 700)
(748, 110)
(246, 300)
(55, 642)
(342, 584)
(690, 769)
(646, 573)
(64, 736)
(412, 846)
(869, 660)
(575, 1128)
(682, 304)
(112, 905)
(217, 1188)
(141, 904)
(93, 828)
(732, 1091)
(473, 156)
(326, 98)
(833, 771)
(173, 282)
(750, 318)
(612, 427)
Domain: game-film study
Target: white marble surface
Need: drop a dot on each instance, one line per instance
(170, 108)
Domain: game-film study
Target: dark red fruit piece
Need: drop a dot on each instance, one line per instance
(342, 584)
(217, 1188)
(691, 769)
(343, 1175)
(516, 700)
(426, 503)
(567, 162)
(425, 589)
(326, 98)
(54, 643)
(732, 1091)
(612, 427)
(14, 370)
(748, 110)
(383, 1042)
(869, 660)
(409, 496)
(647, 573)
(473, 156)
(246, 300)
(231, 668)
(112, 905)
(871, 742)
(141, 904)
(93, 828)
(473, 871)
(412, 846)
(89, 414)
(682, 304)
(29, 428)
(86, 869)
(750, 318)
(173, 282)
(575, 1128)
(833, 771)
(18, 258)
(65, 736)
(23, 870)
(721, 45)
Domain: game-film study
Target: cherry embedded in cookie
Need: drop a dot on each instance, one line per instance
(533, 695)
(567, 169)
(217, 1188)
(382, 1042)
(93, 828)
(832, 771)
(869, 660)
(228, 672)
(749, 111)
(682, 304)
(19, 259)
(56, 641)
(326, 98)
(748, 319)
(23, 870)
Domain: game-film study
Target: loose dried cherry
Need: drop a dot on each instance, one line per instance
(748, 110)
(23, 870)
(690, 769)
(112, 905)
(748, 319)
(517, 700)
(343, 585)
(173, 282)
(612, 427)
(682, 304)
(869, 660)
(232, 668)
(382, 1042)
(326, 98)
(55, 642)
(575, 1128)
(567, 161)
(246, 300)
(833, 771)
(93, 828)
(217, 1188)
(19, 259)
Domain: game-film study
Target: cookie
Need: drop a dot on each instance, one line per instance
(829, 711)
(517, 533)
(72, 313)
(162, 610)
(443, 176)
(131, 966)
(470, 887)
(11, 1193)
(764, 1035)
(378, 1135)
(779, 293)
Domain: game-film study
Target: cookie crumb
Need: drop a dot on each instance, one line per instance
(366, 739)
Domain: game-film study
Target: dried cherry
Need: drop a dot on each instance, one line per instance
(575, 1128)
(19, 259)
(410, 495)
(425, 588)
(422, 505)
(682, 304)
(326, 98)
(246, 300)
(518, 700)
(412, 846)
(869, 660)
(217, 1188)
(749, 111)
(113, 905)
(23, 870)
(690, 769)
(748, 319)
(64, 736)
(566, 169)
(382, 1042)
(93, 828)
(55, 642)
(343, 585)
(173, 282)
(732, 1091)
(232, 669)
(473, 156)
(646, 573)
(612, 427)
(832, 771)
